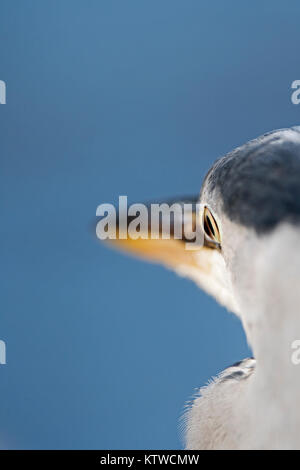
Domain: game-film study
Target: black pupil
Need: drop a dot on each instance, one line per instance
(210, 227)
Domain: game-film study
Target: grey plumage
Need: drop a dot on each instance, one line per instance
(259, 181)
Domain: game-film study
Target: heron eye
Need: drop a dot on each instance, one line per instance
(210, 227)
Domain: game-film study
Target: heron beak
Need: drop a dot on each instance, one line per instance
(153, 244)
(201, 262)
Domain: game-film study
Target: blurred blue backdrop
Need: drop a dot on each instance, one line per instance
(106, 98)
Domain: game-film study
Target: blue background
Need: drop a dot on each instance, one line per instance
(107, 98)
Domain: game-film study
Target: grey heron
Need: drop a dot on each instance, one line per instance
(251, 214)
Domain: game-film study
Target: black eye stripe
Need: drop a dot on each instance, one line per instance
(265, 169)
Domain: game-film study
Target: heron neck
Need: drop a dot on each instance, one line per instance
(274, 392)
(271, 316)
(267, 273)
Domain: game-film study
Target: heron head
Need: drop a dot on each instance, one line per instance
(248, 197)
